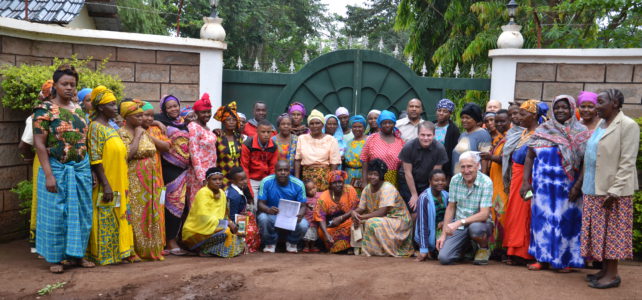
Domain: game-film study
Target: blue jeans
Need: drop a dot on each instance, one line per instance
(270, 235)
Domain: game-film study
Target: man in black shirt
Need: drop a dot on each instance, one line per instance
(419, 157)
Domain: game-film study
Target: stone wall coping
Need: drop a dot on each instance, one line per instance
(56, 33)
(621, 55)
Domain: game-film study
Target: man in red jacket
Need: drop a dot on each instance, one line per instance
(259, 155)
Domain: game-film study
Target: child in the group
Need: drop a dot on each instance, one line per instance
(431, 209)
(238, 197)
(311, 235)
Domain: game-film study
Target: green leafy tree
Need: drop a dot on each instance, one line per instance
(375, 21)
(143, 16)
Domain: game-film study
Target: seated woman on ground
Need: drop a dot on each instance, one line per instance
(387, 225)
(431, 209)
(208, 229)
(333, 211)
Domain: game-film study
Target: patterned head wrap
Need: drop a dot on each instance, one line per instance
(82, 94)
(185, 111)
(101, 95)
(297, 106)
(341, 111)
(585, 96)
(128, 108)
(358, 119)
(45, 90)
(530, 106)
(165, 99)
(386, 115)
(472, 110)
(337, 175)
(316, 115)
(226, 111)
(203, 103)
(447, 104)
(147, 106)
(281, 117)
(570, 137)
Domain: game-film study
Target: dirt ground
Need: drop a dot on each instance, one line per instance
(298, 276)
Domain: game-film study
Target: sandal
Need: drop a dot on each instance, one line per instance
(564, 270)
(57, 269)
(536, 267)
(85, 263)
(314, 250)
(306, 250)
(177, 252)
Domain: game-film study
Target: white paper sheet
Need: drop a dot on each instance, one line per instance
(287, 216)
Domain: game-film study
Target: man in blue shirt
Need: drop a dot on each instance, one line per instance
(272, 189)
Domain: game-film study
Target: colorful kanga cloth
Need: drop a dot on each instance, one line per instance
(353, 165)
(316, 174)
(228, 154)
(500, 198)
(202, 154)
(146, 214)
(206, 228)
(552, 209)
(66, 131)
(390, 235)
(176, 164)
(327, 209)
(287, 151)
(112, 238)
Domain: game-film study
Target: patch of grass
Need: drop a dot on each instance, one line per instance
(51, 287)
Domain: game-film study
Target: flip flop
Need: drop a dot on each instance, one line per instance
(535, 267)
(57, 269)
(178, 252)
(85, 263)
(565, 270)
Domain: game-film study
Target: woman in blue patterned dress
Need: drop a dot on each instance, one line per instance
(352, 159)
(554, 159)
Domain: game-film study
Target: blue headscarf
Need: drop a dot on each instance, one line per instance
(386, 115)
(447, 104)
(337, 134)
(82, 94)
(542, 111)
(358, 119)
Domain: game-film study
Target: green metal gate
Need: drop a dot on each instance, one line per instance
(359, 80)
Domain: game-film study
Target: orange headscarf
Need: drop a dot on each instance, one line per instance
(226, 111)
(337, 175)
(45, 90)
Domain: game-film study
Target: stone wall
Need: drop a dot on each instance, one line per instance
(146, 73)
(544, 81)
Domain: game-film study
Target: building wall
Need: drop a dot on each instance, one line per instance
(149, 66)
(545, 81)
(83, 20)
(520, 74)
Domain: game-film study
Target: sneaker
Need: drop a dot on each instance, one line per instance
(269, 249)
(291, 248)
(481, 257)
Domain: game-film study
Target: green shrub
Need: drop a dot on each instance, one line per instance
(24, 189)
(21, 84)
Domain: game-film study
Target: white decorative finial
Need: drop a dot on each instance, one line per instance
(349, 42)
(239, 63)
(320, 47)
(291, 68)
(424, 70)
(439, 71)
(456, 72)
(273, 67)
(396, 51)
(472, 71)
(365, 42)
(489, 71)
(306, 57)
(213, 29)
(409, 61)
(380, 46)
(334, 45)
(257, 66)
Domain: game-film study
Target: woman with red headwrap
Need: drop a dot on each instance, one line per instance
(333, 211)
(202, 146)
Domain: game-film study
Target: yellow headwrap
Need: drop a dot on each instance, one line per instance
(315, 114)
(101, 95)
(130, 107)
(530, 106)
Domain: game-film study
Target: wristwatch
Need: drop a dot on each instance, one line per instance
(463, 222)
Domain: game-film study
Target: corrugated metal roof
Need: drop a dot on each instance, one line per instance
(42, 11)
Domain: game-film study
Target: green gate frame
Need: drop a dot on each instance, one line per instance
(343, 77)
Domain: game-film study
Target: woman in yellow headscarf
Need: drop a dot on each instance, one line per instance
(145, 184)
(208, 229)
(111, 239)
